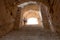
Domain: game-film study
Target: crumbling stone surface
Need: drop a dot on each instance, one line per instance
(8, 9)
(6, 20)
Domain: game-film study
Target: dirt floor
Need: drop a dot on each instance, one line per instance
(31, 33)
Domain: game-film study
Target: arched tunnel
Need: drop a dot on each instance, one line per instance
(29, 20)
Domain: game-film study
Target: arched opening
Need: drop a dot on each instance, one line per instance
(31, 14)
(37, 10)
(32, 21)
(33, 17)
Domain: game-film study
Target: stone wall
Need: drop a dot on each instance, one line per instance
(8, 9)
(56, 15)
(6, 20)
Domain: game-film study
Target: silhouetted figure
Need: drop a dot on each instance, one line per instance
(25, 20)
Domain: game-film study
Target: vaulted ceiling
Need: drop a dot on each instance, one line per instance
(8, 9)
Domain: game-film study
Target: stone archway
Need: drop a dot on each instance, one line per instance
(31, 10)
(44, 10)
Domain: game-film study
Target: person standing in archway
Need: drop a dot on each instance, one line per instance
(25, 20)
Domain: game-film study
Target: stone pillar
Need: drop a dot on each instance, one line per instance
(44, 16)
(17, 19)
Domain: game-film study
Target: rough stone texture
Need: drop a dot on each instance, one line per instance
(9, 7)
(56, 15)
(6, 20)
(31, 33)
